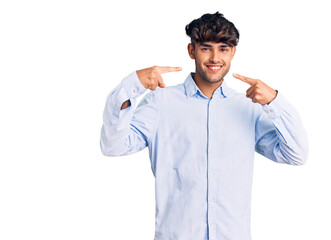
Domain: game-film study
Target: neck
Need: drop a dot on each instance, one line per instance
(207, 88)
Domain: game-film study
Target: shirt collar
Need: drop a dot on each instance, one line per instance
(191, 88)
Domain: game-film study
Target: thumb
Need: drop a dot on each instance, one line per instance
(160, 82)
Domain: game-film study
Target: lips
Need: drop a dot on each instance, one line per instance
(214, 68)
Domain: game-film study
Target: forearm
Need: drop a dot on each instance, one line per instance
(117, 118)
(116, 125)
(288, 142)
(126, 104)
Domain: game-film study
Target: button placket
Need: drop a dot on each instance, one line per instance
(211, 162)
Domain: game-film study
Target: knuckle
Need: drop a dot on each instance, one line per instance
(152, 76)
(154, 71)
(155, 81)
(152, 82)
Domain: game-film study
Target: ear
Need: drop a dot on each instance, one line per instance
(233, 51)
(190, 50)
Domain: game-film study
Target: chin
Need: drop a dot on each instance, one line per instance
(210, 77)
(217, 81)
(214, 79)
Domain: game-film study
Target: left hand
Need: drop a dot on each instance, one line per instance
(259, 92)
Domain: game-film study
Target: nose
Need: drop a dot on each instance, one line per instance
(214, 57)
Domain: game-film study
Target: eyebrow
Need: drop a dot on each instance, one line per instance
(207, 45)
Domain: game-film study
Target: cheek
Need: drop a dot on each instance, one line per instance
(227, 60)
(200, 56)
(198, 60)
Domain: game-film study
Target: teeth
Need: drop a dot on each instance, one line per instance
(214, 67)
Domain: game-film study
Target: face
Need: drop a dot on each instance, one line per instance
(212, 60)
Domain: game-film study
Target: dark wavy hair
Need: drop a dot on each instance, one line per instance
(212, 28)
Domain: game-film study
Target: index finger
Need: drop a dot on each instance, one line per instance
(250, 81)
(168, 69)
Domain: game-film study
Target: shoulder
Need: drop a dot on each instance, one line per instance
(161, 96)
(242, 103)
(170, 92)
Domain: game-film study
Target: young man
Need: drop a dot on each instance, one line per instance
(202, 135)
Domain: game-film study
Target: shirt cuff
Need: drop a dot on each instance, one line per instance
(133, 86)
(276, 107)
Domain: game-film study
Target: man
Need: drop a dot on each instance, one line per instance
(202, 135)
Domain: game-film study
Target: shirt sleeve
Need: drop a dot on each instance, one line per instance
(128, 131)
(280, 135)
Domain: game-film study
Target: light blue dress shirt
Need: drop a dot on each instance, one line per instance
(201, 152)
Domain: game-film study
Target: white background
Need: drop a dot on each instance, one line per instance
(60, 59)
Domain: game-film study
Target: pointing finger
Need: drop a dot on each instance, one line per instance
(250, 81)
(168, 69)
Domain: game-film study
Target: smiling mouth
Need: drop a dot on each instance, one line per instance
(214, 68)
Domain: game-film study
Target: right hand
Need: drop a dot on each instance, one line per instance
(151, 77)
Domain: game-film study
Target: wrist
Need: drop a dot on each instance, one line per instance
(275, 95)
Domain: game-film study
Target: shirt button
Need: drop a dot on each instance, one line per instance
(211, 150)
(211, 127)
(268, 111)
(211, 200)
(211, 175)
(135, 90)
(211, 224)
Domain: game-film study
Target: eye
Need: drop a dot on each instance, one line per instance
(224, 50)
(205, 49)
